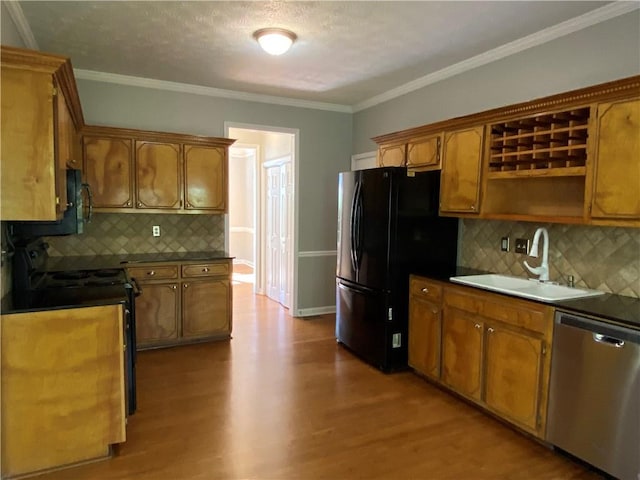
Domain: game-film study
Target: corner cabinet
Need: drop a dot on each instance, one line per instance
(155, 172)
(616, 175)
(41, 116)
(182, 302)
(460, 181)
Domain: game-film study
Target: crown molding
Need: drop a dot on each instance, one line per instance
(20, 21)
(589, 19)
(206, 91)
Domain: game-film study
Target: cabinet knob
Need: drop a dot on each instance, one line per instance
(473, 207)
(477, 325)
(205, 269)
(140, 204)
(128, 204)
(425, 290)
(151, 273)
(490, 330)
(174, 287)
(434, 311)
(186, 285)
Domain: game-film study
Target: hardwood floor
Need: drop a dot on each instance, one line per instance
(282, 401)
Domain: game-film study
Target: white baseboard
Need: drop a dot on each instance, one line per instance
(240, 261)
(308, 312)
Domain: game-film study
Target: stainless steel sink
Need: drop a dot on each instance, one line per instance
(522, 287)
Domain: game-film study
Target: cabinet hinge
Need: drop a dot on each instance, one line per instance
(54, 91)
(544, 349)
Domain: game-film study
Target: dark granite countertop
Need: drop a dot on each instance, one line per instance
(92, 262)
(63, 299)
(615, 308)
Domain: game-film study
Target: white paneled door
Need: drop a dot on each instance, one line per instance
(278, 227)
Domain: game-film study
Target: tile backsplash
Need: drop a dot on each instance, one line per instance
(602, 258)
(114, 233)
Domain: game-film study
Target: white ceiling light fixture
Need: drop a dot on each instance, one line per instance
(275, 41)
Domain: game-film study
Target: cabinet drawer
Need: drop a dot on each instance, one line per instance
(462, 301)
(205, 270)
(515, 315)
(154, 272)
(426, 289)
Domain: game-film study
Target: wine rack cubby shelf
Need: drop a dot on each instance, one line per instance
(553, 144)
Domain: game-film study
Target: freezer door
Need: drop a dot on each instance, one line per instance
(360, 322)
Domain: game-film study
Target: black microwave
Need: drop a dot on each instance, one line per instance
(75, 216)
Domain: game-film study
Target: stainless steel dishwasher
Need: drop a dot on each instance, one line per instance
(594, 394)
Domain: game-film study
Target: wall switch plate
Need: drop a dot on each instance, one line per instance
(156, 230)
(504, 244)
(522, 245)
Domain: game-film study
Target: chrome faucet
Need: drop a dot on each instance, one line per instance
(543, 270)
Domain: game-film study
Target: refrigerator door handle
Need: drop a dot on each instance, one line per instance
(359, 240)
(353, 227)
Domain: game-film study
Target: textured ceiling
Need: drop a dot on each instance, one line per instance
(346, 52)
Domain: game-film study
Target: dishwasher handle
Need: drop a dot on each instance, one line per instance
(604, 333)
(614, 342)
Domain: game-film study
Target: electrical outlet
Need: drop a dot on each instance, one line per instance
(504, 244)
(156, 230)
(522, 245)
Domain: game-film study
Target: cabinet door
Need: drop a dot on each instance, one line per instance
(393, 155)
(206, 308)
(460, 183)
(461, 352)
(617, 168)
(424, 152)
(157, 312)
(158, 176)
(205, 171)
(108, 170)
(513, 373)
(424, 337)
(28, 190)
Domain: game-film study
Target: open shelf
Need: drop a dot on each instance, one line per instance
(554, 142)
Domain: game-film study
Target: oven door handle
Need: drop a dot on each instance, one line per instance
(137, 289)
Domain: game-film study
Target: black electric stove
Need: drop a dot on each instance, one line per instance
(34, 287)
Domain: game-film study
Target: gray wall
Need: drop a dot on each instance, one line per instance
(325, 150)
(8, 32)
(604, 52)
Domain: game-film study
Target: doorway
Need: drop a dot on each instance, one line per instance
(262, 184)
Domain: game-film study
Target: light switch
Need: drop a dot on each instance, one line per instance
(156, 230)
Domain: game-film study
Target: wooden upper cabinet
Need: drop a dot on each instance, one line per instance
(108, 170)
(616, 182)
(158, 175)
(40, 119)
(392, 155)
(424, 152)
(205, 178)
(460, 181)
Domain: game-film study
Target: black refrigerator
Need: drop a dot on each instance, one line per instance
(388, 227)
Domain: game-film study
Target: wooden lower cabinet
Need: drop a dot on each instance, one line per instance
(157, 314)
(424, 326)
(63, 387)
(206, 308)
(462, 352)
(514, 364)
(182, 302)
(495, 351)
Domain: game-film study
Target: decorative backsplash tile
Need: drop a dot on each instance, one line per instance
(113, 233)
(602, 258)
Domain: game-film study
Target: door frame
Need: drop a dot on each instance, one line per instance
(293, 258)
